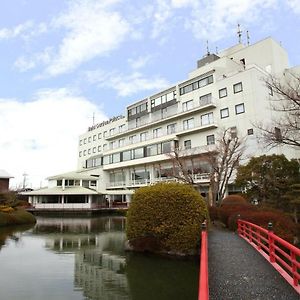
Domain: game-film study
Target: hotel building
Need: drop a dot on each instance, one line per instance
(225, 91)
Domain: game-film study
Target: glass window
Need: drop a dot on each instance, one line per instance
(223, 93)
(138, 153)
(250, 131)
(210, 139)
(157, 132)
(104, 134)
(188, 124)
(94, 150)
(205, 99)
(166, 147)
(90, 139)
(170, 96)
(116, 158)
(132, 139)
(143, 136)
(224, 113)
(152, 150)
(121, 142)
(80, 142)
(99, 148)
(59, 182)
(104, 147)
(238, 87)
(171, 128)
(112, 131)
(121, 128)
(126, 155)
(80, 153)
(207, 119)
(187, 105)
(105, 160)
(99, 136)
(187, 144)
(85, 141)
(89, 151)
(94, 137)
(84, 153)
(239, 108)
(270, 90)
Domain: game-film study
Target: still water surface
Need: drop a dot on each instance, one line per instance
(84, 258)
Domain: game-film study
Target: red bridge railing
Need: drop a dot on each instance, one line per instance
(283, 256)
(203, 292)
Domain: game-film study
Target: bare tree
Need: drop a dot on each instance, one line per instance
(223, 159)
(285, 102)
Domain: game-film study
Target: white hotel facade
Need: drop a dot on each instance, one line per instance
(115, 157)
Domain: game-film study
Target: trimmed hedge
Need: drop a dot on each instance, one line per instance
(16, 216)
(166, 217)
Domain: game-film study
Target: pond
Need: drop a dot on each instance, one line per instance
(84, 258)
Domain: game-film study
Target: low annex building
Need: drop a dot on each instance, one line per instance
(4, 180)
(117, 156)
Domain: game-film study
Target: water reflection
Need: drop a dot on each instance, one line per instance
(85, 257)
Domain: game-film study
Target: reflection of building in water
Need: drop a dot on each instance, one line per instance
(101, 275)
(98, 244)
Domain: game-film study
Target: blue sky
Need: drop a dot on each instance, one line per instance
(61, 61)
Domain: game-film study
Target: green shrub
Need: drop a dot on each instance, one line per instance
(166, 218)
(233, 200)
(16, 217)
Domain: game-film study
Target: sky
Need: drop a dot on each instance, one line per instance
(63, 61)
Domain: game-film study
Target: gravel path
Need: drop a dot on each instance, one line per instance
(237, 271)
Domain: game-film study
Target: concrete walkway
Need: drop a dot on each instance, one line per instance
(237, 271)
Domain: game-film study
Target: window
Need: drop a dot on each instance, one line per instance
(126, 155)
(207, 119)
(250, 131)
(104, 134)
(112, 131)
(80, 142)
(238, 87)
(105, 160)
(94, 137)
(166, 147)
(239, 108)
(59, 182)
(116, 158)
(94, 150)
(187, 105)
(138, 122)
(89, 151)
(210, 139)
(138, 153)
(152, 150)
(80, 153)
(122, 128)
(157, 132)
(85, 141)
(90, 139)
(205, 99)
(233, 132)
(113, 145)
(196, 85)
(104, 147)
(84, 153)
(270, 90)
(187, 144)
(121, 142)
(224, 113)
(143, 136)
(188, 124)
(132, 139)
(99, 148)
(278, 134)
(99, 136)
(223, 93)
(171, 128)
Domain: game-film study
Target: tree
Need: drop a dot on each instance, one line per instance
(267, 178)
(222, 160)
(293, 198)
(285, 102)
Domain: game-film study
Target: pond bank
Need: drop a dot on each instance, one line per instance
(16, 216)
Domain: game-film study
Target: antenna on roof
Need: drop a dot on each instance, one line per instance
(248, 38)
(239, 33)
(93, 118)
(207, 49)
(217, 50)
(24, 180)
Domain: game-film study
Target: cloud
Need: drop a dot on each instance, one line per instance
(92, 29)
(139, 62)
(26, 30)
(126, 85)
(294, 5)
(40, 137)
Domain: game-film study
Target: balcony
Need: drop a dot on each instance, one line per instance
(198, 178)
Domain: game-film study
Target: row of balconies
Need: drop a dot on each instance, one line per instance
(197, 178)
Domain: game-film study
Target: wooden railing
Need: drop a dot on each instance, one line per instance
(283, 256)
(203, 292)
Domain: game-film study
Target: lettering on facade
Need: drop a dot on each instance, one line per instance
(113, 119)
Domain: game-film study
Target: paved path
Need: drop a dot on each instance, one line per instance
(237, 271)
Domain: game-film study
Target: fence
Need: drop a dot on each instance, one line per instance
(283, 256)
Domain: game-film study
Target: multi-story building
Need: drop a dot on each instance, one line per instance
(226, 90)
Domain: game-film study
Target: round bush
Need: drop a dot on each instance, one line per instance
(166, 217)
(233, 200)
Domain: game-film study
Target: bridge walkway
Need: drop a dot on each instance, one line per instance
(237, 271)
